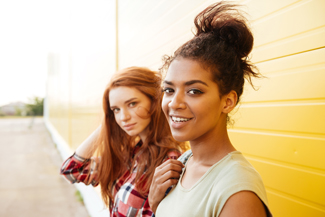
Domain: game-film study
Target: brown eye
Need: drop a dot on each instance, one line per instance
(132, 104)
(168, 90)
(195, 91)
(115, 110)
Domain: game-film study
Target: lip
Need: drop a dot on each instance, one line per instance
(129, 126)
(180, 124)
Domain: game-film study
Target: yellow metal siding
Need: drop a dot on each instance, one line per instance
(58, 89)
(292, 29)
(146, 37)
(79, 73)
(280, 128)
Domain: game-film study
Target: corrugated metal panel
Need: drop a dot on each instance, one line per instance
(292, 29)
(280, 127)
(82, 70)
(58, 90)
(146, 37)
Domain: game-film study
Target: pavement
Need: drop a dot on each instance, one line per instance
(30, 184)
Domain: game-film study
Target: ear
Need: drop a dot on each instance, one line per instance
(230, 100)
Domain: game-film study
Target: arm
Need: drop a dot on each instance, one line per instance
(243, 204)
(79, 167)
(166, 175)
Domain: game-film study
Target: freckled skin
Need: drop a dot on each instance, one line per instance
(130, 107)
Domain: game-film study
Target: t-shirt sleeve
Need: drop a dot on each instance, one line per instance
(242, 179)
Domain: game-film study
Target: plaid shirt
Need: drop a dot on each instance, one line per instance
(128, 202)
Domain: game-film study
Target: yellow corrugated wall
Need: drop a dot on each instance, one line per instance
(280, 128)
(79, 72)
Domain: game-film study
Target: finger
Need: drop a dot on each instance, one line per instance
(160, 179)
(171, 164)
(168, 175)
(172, 161)
(168, 167)
(158, 191)
(159, 188)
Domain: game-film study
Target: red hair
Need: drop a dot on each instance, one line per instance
(115, 145)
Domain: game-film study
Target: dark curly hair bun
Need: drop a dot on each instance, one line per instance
(221, 43)
(224, 22)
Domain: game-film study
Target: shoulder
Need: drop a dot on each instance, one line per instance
(244, 203)
(236, 168)
(235, 173)
(236, 178)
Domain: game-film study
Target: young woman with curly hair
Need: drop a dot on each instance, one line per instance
(203, 84)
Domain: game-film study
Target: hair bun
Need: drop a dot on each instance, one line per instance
(228, 34)
(236, 34)
(225, 23)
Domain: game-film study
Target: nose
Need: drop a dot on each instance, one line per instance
(177, 101)
(124, 115)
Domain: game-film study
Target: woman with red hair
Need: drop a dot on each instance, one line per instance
(134, 138)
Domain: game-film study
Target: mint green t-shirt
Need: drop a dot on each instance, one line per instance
(207, 197)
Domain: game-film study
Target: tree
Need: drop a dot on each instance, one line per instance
(35, 107)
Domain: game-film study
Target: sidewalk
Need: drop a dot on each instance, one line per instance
(30, 184)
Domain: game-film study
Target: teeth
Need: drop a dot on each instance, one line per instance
(175, 119)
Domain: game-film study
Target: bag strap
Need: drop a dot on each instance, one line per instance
(184, 157)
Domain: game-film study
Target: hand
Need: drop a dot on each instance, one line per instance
(166, 175)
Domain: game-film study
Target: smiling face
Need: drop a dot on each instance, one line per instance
(191, 101)
(131, 110)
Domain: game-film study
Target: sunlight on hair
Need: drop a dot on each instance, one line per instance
(142, 112)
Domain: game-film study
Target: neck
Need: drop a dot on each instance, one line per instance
(212, 146)
(143, 135)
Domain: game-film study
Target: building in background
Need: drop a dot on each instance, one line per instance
(11, 109)
(280, 128)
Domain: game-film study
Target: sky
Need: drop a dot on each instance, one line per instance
(29, 31)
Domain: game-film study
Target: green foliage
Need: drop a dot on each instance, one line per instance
(35, 107)
(79, 197)
(18, 111)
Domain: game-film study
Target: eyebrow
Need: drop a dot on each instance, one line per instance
(129, 100)
(188, 82)
(126, 102)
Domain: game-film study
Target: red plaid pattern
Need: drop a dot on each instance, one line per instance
(128, 202)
